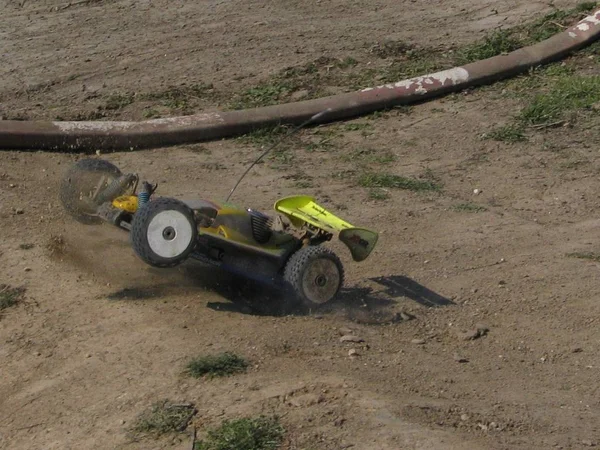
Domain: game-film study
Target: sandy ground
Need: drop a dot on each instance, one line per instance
(100, 336)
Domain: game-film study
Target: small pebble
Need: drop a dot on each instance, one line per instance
(352, 352)
(460, 359)
(418, 341)
(469, 335)
(351, 338)
(339, 422)
(406, 316)
(477, 332)
(344, 330)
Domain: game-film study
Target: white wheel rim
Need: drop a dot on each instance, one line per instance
(169, 234)
(321, 280)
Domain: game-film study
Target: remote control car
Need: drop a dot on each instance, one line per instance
(283, 247)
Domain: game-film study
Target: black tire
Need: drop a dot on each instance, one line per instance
(164, 232)
(78, 185)
(315, 274)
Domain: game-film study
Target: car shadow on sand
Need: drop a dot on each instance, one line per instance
(379, 301)
(401, 286)
(378, 304)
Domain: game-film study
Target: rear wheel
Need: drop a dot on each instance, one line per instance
(163, 232)
(82, 182)
(315, 274)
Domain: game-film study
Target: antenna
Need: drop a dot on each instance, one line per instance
(291, 132)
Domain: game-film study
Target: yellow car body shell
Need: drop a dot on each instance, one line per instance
(302, 209)
(231, 224)
(127, 203)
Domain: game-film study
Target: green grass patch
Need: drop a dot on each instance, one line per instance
(379, 194)
(312, 79)
(180, 97)
(10, 296)
(265, 94)
(303, 184)
(469, 207)
(261, 433)
(384, 114)
(392, 49)
(585, 7)
(346, 62)
(267, 136)
(296, 83)
(420, 64)
(370, 155)
(554, 71)
(357, 126)
(164, 417)
(221, 365)
(568, 94)
(282, 158)
(536, 79)
(494, 44)
(280, 87)
(118, 101)
(300, 180)
(375, 180)
(506, 41)
(322, 139)
(86, 116)
(344, 174)
(150, 113)
(561, 96)
(590, 256)
(319, 146)
(554, 22)
(510, 133)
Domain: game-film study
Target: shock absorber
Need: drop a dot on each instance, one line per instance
(145, 192)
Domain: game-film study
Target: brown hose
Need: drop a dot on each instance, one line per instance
(207, 126)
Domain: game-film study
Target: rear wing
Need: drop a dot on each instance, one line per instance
(302, 209)
(360, 241)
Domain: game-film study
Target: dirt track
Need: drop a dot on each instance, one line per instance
(100, 336)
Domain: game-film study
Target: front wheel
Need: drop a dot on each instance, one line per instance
(315, 274)
(81, 185)
(163, 232)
